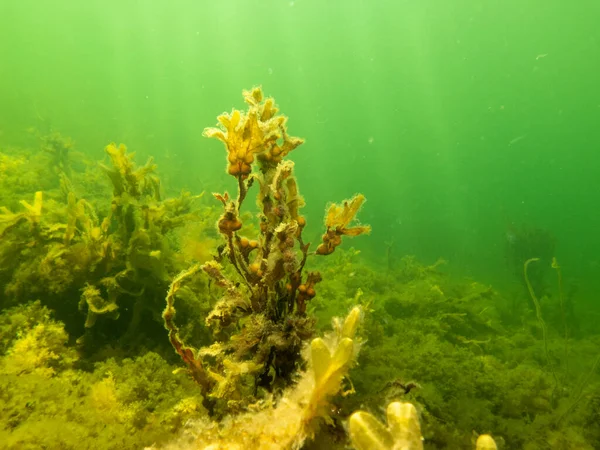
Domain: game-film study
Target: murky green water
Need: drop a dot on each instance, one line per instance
(454, 119)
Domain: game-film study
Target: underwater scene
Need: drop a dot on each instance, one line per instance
(299, 224)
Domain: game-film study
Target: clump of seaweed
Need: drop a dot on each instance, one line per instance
(259, 322)
(23, 172)
(295, 418)
(58, 148)
(48, 402)
(69, 249)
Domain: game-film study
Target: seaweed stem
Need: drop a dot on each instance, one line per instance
(538, 313)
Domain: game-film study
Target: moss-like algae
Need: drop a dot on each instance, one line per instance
(47, 402)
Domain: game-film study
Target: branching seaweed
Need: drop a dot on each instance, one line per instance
(260, 320)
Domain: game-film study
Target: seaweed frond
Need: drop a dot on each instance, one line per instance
(338, 220)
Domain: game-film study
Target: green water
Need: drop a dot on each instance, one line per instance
(414, 105)
(456, 119)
